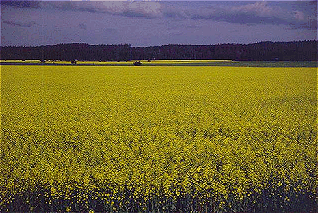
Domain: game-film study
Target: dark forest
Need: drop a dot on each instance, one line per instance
(262, 51)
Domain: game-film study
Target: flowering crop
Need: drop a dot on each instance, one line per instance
(162, 138)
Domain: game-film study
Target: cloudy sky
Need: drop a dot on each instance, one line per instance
(141, 23)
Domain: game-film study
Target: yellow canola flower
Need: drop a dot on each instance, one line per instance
(204, 132)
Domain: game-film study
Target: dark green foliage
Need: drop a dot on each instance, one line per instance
(262, 51)
(271, 199)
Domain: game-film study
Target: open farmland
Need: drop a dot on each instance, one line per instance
(183, 138)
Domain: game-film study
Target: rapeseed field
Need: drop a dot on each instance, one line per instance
(158, 139)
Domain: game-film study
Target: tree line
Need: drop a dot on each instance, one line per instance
(261, 51)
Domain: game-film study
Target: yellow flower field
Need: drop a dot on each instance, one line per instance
(142, 139)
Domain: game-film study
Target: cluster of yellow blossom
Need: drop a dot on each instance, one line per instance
(157, 138)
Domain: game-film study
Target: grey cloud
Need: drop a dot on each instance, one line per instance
(20, 24)
(259, 8)
(241, 13)
(22, 4)
(250, 13)
(127, 9)
(310, 24)
(261, 12)
(82, 26)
